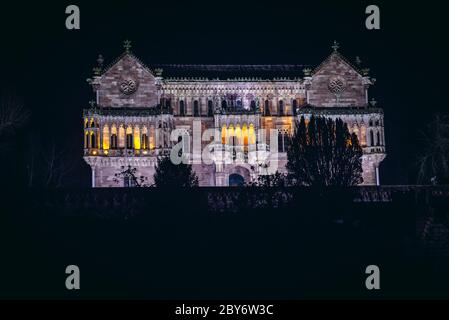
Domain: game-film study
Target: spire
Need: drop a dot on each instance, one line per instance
(336, 46)
(127, 46)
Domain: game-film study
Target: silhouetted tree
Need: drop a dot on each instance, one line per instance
(171, 175)
(433, 162)
(129, 176)
(322, 152)
(277, 179)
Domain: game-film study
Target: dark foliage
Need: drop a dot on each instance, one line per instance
(169, 174)
(322, 152)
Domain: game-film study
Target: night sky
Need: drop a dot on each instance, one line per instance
(46, 65)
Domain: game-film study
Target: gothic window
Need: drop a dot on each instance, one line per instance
(267, 108)
(196, 109)
(239, 104)
(281, 107)
(371, 137)
(144, 141)
(114, 141)
(168, 103)
(93, 140)
(182, 109)
(210, 109)
(129, 141)
(121, 137)
(294, 106)
(128, 182)
(105, 138)
(224, 104)
(92, 123)
(378, 139)
(253, 105)
(86, 140)
(282, 140)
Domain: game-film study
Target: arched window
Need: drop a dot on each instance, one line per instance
(121, 137)
(224, 133)
(371, 137)
(144, 139)
(282, 140)
(196, 109)
(224, 104)
(378, 139)
(136, 138)
(182, 108)
(253, 105)
(105, 138)
(86, 140)
(168, 103)
(281, 107)
(93, 140)
(266, 108)
(128, 182)
(210, 109)
(114, 141)
(294, 106)
(129, 138)
(113, 137)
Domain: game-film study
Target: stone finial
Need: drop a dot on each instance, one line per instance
(373, 102)
(335, 46)
(127, 46)
(307, 71)
(365, 71)
(158, 72)
(100, 61)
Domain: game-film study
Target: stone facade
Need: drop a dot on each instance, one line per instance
(141, 112)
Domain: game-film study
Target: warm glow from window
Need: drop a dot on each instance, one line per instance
(252, 134)
(105, 138)
(238, 134)
(245, 135)
(363, 136)
(223, 135)
(136, 138)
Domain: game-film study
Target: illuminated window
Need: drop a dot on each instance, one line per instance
(144, 141)
(136, 138)
(245, 135)
(105, 138)
(223, 135)
(86, 140)
(251, 134)
(238, 135)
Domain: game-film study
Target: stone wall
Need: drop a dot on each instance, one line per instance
(116, 89)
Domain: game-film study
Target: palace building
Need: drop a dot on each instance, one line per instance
(138, 107)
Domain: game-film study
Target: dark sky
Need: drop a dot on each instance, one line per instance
(47, 65)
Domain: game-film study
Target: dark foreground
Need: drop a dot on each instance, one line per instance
(226, 243)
